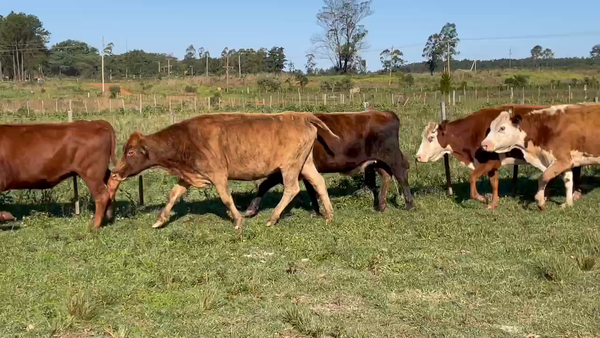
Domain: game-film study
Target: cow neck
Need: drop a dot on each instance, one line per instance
(161, 151)
(453, 135)
(537, 129)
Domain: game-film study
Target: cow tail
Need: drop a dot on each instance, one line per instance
(325, 136)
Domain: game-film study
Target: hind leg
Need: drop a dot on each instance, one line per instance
(310, 173)
(400, 171)
(178, 190)
(99, 192)
(290, 190)
(312, 194)
(113, 186)
(263, 188)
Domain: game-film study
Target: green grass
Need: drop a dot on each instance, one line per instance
(449, 268)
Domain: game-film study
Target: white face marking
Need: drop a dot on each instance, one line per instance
(430, 148)
(503, 136)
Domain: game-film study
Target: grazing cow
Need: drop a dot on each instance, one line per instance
(39, 156)
(215, 148)
(462, 139)
(558, 137)
(368, 139)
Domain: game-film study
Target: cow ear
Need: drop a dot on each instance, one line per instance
(516, 120)
(442, 127)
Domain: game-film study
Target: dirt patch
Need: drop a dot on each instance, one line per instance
(107, 86)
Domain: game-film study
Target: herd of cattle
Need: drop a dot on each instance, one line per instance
(212, 149)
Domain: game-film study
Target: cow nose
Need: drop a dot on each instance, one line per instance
(486, 146)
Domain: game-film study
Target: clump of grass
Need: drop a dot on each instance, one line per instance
(585, 263)
(209, 299)
(303, 322)
(556, 269)
(82, 306)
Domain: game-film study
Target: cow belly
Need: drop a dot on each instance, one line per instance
(36, 183)
(579, 159)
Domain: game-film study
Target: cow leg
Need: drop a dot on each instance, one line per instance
(495, 183)
(99, 192)
(371, 183)
(263, 188)
(553, 170)
(568, 180)
(312, 194)
(310, 173)
(178, 190)
(223, 190)
(113, 186)
(576, 183)
(479, 171)
(400, 171)
(380, 202)
(290, 190)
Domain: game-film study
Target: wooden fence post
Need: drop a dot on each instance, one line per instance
(141, 189)
(512, 95)
(42, 105)
(446, 157)
(75, 188)
(454, 98)
(569, 100)
(141, 105)
(195, 110)
(584, 93)
(154, 101)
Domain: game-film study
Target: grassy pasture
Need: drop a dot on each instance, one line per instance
(449, 268)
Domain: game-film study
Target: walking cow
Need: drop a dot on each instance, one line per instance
(368, 139)
(559, 137)
(39, 156)
(215, 148)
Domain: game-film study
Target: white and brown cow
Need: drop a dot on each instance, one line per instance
(462, 139)
(559, 137)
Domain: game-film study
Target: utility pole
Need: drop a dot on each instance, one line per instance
(227, 74)
(239, 65)
(102, 65)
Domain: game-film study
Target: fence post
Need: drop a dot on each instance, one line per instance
(27, 107)
(110, 105)
(584, 92)
(141, 189)
(123, 104)
(596, 99)
(512, 95)
(42, 104)
(195, 109)
(324, 99)
(569, 100)
(392, 99)
(454, 98)
(75, 188)
(446, 157)
(141, 103)
(523, 95)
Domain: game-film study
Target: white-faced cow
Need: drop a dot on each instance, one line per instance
(462, 139)
(559, 137)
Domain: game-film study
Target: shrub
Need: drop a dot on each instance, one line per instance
(190, 89)
(520, 81)
(114, 91)
(327, 86)
(345, 84)
(445, 83)
(409, 79)
(268, 85)
(302, 80)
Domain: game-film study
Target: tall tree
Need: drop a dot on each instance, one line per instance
(595, 53)
(310, 64)
(108, 49)
(343, 37)
(25, 38)
(449, 41)
(190, 53)
(547, 54)
(74, 58)
(276, 60)
(432, 51)
(391, 60)
(536, 53)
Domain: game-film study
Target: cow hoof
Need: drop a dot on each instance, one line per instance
(239, 224)
(250, 213)
(576, 195)
(271, 223)
(493, 206)
(542, 207)
(481, 199)
(409, 206)
(565, 205)
(382, 207)
(157, 225)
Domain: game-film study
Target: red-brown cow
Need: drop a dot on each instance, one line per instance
(368, 139)
(39, 156)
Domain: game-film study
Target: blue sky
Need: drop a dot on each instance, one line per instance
(169, 27)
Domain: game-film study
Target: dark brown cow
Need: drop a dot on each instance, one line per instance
(462, 139)
(367, 138)
(39, 156)
(215, 148)
(558, 137)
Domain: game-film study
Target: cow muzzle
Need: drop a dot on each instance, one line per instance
(488, 146)
(117, 177)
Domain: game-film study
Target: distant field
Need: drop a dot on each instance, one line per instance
(202, 86)
(449, 268)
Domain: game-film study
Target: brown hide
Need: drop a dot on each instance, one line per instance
(39, 156)
(214, 148)
(369, 137)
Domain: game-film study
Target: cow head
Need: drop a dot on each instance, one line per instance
(505, 134)
(430, 148)
(135, 158)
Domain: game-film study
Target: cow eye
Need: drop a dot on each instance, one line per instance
(430, 139)
(502, 128)
(131, 153)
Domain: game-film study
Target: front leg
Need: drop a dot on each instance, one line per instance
(568, 180)
(553, 170)
(178, 190)
(479, 171)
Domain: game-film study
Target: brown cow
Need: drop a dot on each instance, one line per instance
(39, 156)
(462, 139)
(215, 148)
(367, 138)
(559, 137)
